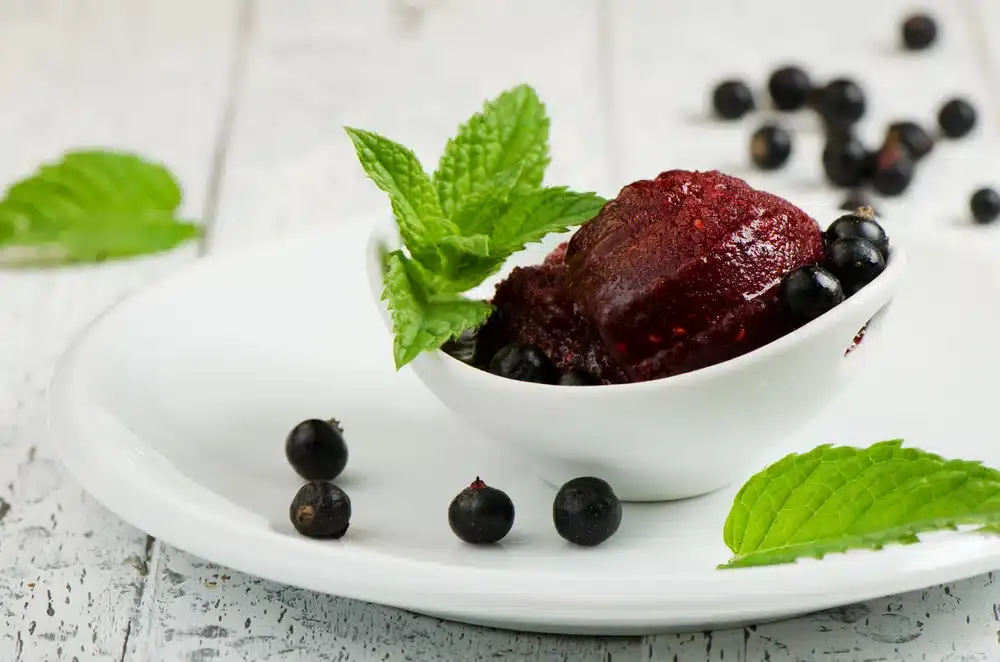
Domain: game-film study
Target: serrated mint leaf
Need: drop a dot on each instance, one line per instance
(89, 206)
(836, 498)
(510, 131)
(397, 171)
(477, 245)
(421, 323)
(530, 216)
(487, 202)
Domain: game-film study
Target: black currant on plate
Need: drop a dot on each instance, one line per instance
(917, 141)
(845, 161)
(732, 99)
(919, 31)
(524, 363)
(770, 146)
(586, 511)
(857, 199)
(893, 170)
(463, 347)
(985, 205)
(861, 223)
(855, 262)
(808, 292)
(956, 118)
(789, 88)
(577, 377)
(320, 509)
(481, 514)
(842, 102)
(316, 449)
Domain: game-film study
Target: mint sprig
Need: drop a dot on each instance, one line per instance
(836, 498)
(89, 206)
(484, 203)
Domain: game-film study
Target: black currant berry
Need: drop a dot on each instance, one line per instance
(316, 449)
(524, 363)
(845, 162)
(320, 510)
(857, 199)
(463, 347)
(732, 99)
(576, 377)
(842, 102)
(919, 32)
(789, 88)
(985, 205)
(913, 137)
(893, 170)
(586, 511)
(770, 147)
(855, 262)
(808, 292)
(481, 514)
(957, 118)
(861, 224)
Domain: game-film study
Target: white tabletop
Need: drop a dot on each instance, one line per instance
(246, 100)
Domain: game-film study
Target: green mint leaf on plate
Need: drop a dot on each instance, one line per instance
(397, 171)
(89, 206)
(511, 131)
(421, 322)
(836, 498)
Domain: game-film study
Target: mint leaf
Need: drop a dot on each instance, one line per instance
(421, 323)
(832, 499)
(487, 202)
(535, 214)
(510, 131)
(397, 171)
(91, 205)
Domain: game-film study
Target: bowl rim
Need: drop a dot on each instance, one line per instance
(883, 287)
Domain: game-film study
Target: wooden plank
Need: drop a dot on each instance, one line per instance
(121, 73)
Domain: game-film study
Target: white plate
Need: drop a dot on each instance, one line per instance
(173, 407)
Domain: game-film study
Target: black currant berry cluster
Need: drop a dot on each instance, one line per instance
(857, 249)
(841, 103)
(317, 451)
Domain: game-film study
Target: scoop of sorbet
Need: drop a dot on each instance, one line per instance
(681, 272)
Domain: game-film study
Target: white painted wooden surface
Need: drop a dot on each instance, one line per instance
(263, 88)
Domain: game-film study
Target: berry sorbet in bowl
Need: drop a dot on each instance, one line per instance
(691, 324)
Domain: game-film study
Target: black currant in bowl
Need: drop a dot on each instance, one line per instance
(586, 511)
(860, 224)
(576, 377)
(855, 262)
(320, 509)
(316, 449)
(808, 292)
(481, 514)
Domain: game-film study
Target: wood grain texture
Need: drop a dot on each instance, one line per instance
(118, 74)
(626, 83)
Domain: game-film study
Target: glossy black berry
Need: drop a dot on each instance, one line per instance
(789, 88)
(913, 137)
(808, 292)
(857, 199)
(586, 511)
(845, 161)
(985, 205)
(893, 170)
(576, 377)
(770, 147)
(316, 449)
(842, 102)
(956, 118)
(320, 510)
(855, 262)
(481, 514)
(463, 347)
(524, 363)
(861, 224)
(732, 99)
(919, 32)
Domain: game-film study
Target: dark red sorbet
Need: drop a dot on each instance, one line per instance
(675, 274)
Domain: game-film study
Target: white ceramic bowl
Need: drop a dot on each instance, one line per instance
(670, 438)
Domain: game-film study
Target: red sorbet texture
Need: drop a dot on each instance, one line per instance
(675, 274)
